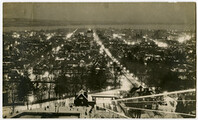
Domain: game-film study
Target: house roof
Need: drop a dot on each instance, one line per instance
(80, 95)
(81, 92)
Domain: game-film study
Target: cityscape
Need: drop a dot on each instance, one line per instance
(90, 71)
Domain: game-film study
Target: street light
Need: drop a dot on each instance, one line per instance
(97, 68)
(132, 74)
(124, 68)
(109, 87)
(82, 64)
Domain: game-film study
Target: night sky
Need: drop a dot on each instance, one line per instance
(136, 13)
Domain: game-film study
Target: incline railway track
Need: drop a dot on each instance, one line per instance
(163, 103)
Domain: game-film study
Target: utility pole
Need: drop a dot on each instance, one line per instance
(115, 74)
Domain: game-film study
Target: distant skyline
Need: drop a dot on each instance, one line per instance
(137, 13)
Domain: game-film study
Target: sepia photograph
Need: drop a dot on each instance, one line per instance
(98, 60)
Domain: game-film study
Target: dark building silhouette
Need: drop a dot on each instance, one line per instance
(81, 99)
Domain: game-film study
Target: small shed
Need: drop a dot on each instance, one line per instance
(81, 99)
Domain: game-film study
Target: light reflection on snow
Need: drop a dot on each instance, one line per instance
(184, 37)
(70, 34)
(161, 44)
(31, 74)
(50, 35)
(125, 84)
